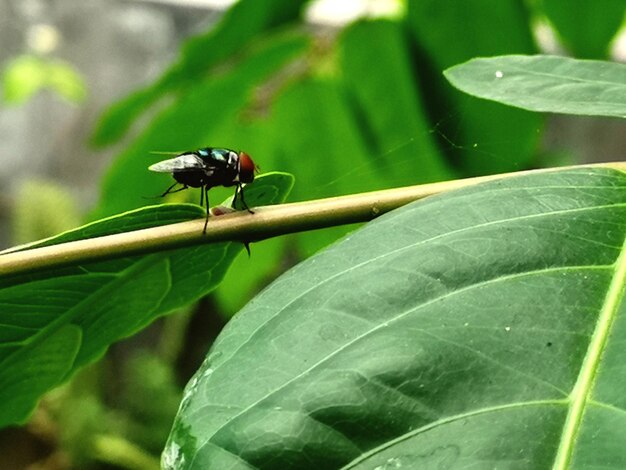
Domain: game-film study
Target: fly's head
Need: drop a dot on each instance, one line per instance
(247, 168)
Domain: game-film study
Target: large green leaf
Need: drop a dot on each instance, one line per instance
(482, 328)
(546, 83)
(55, 321)
(586, 27)
(486, 137)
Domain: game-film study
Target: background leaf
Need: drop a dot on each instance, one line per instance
(546, 83)
(43, 209)
(240, 26)
(95, 304)
(331, 136)
(471, 329)
(22, 78)
(27, 74)
(586, 28)
(394, 124)
(487, 138)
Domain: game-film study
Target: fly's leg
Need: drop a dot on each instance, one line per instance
(235, 198)
(239, 190)
(204, 191)
(243, 201)
(169, 190)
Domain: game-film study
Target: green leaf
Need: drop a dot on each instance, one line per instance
(242, 24)
(546, 83)
(395, 123)
(98, 309)
(486, 137)
(118, 118)
(26, 75)
(42, 209)
(101, 302)
(66, 81)
(585, 27)
(482, 328)
(22, 78)
(322, 147)
(33, 370)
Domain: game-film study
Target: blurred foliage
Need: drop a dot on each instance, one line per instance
(245, 23)
(123, 431)
(586, 28)
(26, 75)
(148, 422)
(42, 209)
(503, 139)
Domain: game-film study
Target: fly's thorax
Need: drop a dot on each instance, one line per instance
(233, 159)
(218, 157)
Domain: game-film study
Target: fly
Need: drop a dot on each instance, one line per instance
(206, 168)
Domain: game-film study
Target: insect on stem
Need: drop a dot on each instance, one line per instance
(206, 168)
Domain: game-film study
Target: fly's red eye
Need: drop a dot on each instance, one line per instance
(246, 168)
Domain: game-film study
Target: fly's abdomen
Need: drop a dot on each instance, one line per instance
(193, 179)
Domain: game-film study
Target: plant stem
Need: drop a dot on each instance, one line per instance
(122, 453)
(266, 222)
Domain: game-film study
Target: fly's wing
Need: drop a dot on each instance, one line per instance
(184, 162)
(171, 154)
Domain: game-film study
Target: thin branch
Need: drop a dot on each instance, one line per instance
(266, 222)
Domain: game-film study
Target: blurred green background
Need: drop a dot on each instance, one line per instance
(345, 103)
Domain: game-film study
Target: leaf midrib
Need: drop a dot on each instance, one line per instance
(584, 384)
(571, 78)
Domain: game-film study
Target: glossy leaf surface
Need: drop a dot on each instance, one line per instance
(546, 83)
(482, 328)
